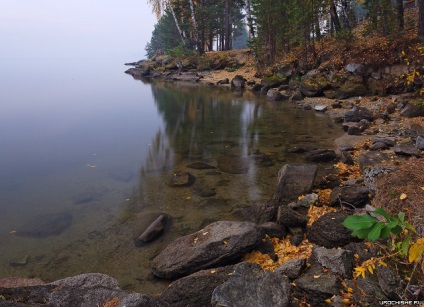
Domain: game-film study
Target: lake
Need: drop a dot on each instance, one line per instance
(86, 150)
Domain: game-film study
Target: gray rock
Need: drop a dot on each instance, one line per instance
(260, 212)
(149, 227)
(406, 149)
(367, 292)
(290, 218)
(359, 113)
(314, 83)
(294, 180)
(181, 179)
(84, 290)
(257, 87)
(321, 155)
(50, 224)
(368, 159)
(215, 245)
(329, 232)
(273, 230)
(354, 130)
(339, 261)
(251, 286)
(412, 110)
(237, 82)
(265, 89)
(389, 282)
(292, 268)
(346, 158)
(296, 235)
(346, 148)
(387, 141)
(321, 107)
(274, 95)
(379, 146)
(297, 95)
(196, 289)
(357, 69)
(420, 142)
(317, 286)
(353, 195)
(223, 81)
(233, 164)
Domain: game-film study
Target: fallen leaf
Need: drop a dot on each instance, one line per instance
(225, 242)
(317, 276)
(403, 196)
(12, 232)
(195, 240)
(213, 271)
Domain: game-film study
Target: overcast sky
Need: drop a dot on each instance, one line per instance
(74, 28)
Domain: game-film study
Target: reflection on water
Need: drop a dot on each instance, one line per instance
(237, 142)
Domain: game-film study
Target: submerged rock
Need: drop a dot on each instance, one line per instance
(149, 227)
(182, 179)
(233, 164)
(51, 224)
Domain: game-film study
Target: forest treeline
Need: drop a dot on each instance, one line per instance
(270, 26)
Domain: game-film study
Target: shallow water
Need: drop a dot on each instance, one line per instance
(81, 139)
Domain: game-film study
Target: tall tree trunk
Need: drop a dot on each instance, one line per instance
(400, 14)
(193, 19)
(227, 17)
(169, 4)
(334, 17)
(249, 19)
(421, 18)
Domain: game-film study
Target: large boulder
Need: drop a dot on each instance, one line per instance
(237, 82)
(251, 286)
(406, 149)
(353, 86)
(412, 110)
(339, 261)
(196, 289)
(274, 95)
(85, 290)
(329, 232)
(317, 285)
(353, 195)
(217, 244)
(294, 180)
(290, 218)
(314, 83)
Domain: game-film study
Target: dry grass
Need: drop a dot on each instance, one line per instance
(407, 179)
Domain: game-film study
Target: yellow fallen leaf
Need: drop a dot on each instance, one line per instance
(225, 242)
(317, 276)
(213, 271)
(12, 232)
(205, 233)
(403, 196)
(422, 188)
(188, 197)
(195, 240)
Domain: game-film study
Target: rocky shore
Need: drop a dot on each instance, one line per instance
(297, 235)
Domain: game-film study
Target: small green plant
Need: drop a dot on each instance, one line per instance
(232, 69)
(373, 228)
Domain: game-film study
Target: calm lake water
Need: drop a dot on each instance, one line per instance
(85, 143)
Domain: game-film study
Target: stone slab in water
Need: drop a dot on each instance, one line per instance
(149, 227)
(51, 224)
(215, 245)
